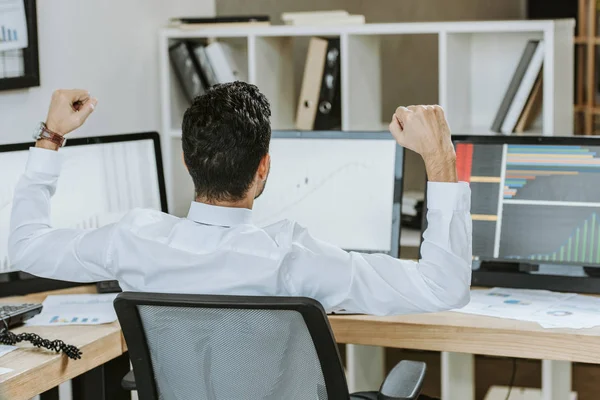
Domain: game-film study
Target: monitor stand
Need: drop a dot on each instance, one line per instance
(527, 276)
(20, 284)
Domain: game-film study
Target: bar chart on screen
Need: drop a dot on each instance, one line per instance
(13, 25)
(552, 173)
(564, 242)
(538, 203)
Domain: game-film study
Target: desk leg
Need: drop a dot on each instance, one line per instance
(458, 376)
(103, 382)
(556, 380)
(51, 394)
(365, 367)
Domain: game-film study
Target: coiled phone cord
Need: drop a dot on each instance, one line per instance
(9, 338)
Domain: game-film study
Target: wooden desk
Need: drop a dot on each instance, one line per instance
(36, 371)
(473, 334)
(458, 337)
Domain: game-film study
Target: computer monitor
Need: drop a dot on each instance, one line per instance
(535, 208)
(102, 178)
(345, 187)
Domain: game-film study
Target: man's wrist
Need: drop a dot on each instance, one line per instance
(47, 144)
(53, 127)
(442, 167)
(47, 138)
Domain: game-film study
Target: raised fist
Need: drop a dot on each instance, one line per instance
(69, 109)
(424, 130)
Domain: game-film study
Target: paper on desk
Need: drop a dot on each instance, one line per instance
(549, 309)
(577, 312)
(5, 371)
(76, 309)
(6, 349)
(511, 303)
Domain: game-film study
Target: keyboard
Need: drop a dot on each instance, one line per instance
(12, 315)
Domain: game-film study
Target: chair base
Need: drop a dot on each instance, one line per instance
(373, 396)
(364, 396)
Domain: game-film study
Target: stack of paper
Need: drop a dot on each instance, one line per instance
(76, 309)
(335, 17)
(549, 309)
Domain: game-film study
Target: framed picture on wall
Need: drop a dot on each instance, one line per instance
(19, 60)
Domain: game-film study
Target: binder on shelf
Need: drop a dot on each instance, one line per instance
(319, 105)
(524, 90)
(533, 107)
(205, 65)
(187, 70)
(514, 84)
(221, 58)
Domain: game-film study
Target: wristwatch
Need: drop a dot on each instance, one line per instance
(42, 132)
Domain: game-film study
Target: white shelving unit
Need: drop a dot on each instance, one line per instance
(476, 62)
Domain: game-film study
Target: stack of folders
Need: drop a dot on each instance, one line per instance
(200, 65)
(412, 209)
(319, 105)
(337, 17)
(522, 101)
(193, 23)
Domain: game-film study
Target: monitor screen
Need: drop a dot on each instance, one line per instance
(345, 187)
(102, 178)
(534, 200)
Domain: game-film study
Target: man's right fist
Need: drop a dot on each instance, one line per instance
(422, 129)
(69, 109)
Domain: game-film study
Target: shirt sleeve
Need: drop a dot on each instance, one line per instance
(35, 247)
(382, 285)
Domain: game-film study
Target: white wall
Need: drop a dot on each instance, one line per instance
(108, 47)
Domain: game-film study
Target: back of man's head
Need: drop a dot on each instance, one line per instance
(226, 133)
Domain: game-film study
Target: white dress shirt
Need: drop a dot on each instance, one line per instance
(218, 250)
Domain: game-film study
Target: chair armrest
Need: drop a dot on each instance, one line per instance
(404, 382)
(128, 382)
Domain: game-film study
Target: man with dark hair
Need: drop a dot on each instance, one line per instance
(223, 157)
(217, 249)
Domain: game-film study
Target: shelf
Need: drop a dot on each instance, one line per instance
(476, 61)
(474, 131)
(586, 40)
(594, 110)
(375, 29)
(175, 133)
(485, 131)
(410, 237)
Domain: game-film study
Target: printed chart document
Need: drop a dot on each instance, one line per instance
(549, 309)
(577, 312)
(13, 25)
(4, 349)
(76, 309)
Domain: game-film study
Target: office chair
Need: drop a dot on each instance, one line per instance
(238, 347)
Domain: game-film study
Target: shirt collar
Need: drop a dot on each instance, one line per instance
(219, 216)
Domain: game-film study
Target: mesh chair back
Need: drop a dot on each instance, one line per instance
(234, 348)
